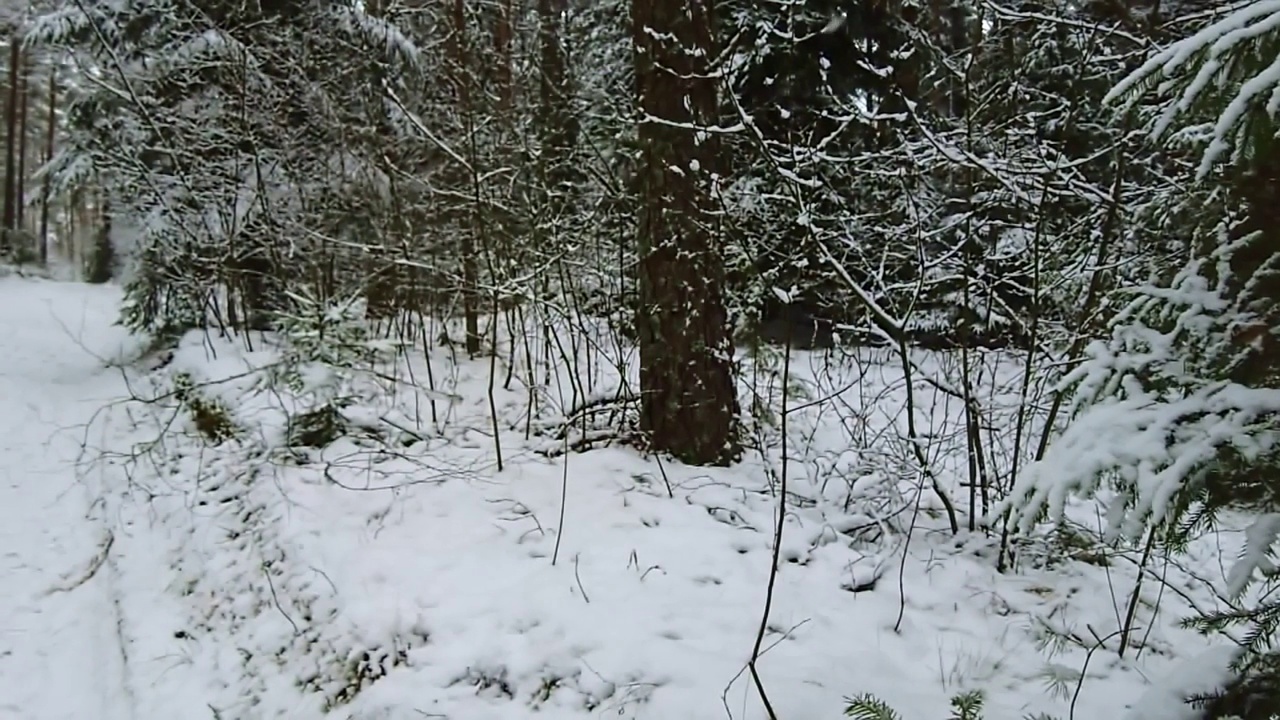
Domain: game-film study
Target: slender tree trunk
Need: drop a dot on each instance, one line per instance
(46, 186)
(24, 102)
(9, 220)
(502, 33)
(466, 238)
(71, 231)
(85, 212)
(688, 402)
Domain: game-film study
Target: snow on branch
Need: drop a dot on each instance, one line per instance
(1152, 447)
(1230, 66)
(197, 50)
(71, 25)
(377, 32)
(1256, 556)
(1150, 413)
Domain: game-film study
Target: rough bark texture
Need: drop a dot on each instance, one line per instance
(688, 398)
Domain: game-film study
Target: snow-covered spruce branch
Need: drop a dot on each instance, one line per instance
(1229, 66)
(1151, 448)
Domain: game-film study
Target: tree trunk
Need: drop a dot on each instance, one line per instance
(9, 220)
(101, 263)
(46, 187)
(71, 231)
(466, 238)
(688, 401)
(502, 44)
(24, 102)
(557, 124)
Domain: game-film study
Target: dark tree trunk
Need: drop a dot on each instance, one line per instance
(502, 35)
(688, 399)
(10, 219)
(24, 95)
(46, 187)
(462, 72)
(557, 124)
(101, 265)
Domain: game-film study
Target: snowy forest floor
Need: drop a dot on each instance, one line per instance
(146, 572)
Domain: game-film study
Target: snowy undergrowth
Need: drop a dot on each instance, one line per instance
(395, 572)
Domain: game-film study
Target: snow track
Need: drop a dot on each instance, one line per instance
(61, 654)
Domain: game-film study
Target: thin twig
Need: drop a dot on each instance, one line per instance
(578, 578)
(777, 542)
(564, 493)
(266, 571)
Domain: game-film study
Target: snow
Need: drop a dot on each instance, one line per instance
(1200, 675)
(79, 635)
(397, 573)
(1242, 31)
(58, 645)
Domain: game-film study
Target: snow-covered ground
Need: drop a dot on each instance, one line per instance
(59, 643)
(397, 573)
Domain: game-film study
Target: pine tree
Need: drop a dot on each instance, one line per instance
(688, 397)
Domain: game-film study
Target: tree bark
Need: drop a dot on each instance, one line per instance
(100, 267)
(502, 36)
(688, 401)
(462, 72)
(9, 220)
(46, 187)
(24, 103)
(557, 124)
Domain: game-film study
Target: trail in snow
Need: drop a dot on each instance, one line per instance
(60, 656)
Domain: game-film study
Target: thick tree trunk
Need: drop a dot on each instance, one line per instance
(100, 266)
(556, 120)
(688, 399)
